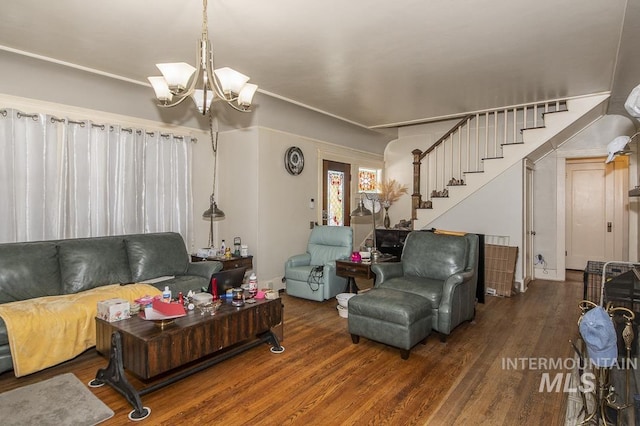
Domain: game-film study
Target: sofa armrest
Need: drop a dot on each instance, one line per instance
(299, 260)
(386, 270)
(203, 269)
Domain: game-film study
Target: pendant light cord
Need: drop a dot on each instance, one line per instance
(214, 147)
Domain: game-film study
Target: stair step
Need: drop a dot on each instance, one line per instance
(532, 128)
(553, 112)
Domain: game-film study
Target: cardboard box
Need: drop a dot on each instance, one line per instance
(500, 269)
(112, 310)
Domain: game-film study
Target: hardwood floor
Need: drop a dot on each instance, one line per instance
(324, 379)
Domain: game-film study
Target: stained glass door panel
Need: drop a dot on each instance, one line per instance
(335, 198)
(336, 193)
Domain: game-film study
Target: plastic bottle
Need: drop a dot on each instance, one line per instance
(253, 285)
(166, 295)
(214, 288)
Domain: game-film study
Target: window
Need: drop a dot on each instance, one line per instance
(369, 179)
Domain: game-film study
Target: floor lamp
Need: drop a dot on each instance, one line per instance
(361, 211)
(213, 212)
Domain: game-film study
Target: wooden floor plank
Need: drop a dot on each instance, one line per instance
(323, 378)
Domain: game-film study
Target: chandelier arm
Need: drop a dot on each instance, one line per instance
(214, 82)
(212, 79)
(174, 103)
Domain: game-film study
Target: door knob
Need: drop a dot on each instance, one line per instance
(609, 224)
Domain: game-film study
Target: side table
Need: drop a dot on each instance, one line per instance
(352, 270)
(231, 263)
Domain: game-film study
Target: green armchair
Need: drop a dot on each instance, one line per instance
(441, 269)
(312, 275)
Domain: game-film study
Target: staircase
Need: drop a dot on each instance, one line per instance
(484, 145)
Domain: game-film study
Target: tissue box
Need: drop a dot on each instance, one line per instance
(112, 310)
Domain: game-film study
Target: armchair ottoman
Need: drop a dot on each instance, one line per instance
(393, 317)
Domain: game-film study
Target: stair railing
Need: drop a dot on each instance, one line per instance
(464, 148)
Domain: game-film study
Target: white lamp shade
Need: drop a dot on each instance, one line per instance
(616, 147)
(246, 95)
(231, 81)
(632, 104)
(177, 75)
(161, 88)
(198, 98)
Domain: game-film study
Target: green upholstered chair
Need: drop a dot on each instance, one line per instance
(442, 270)
(312, 275)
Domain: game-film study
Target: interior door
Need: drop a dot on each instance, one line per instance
(336, 193)
(529, 231)
(596, 219)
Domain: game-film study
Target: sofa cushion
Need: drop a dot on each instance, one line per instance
(300, 273)
(432, 255)
(426, 288)
(156, 255)
(86, 263)
(28, 270)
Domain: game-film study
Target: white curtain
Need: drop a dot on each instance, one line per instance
(62, 178)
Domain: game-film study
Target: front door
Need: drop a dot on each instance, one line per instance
(336, 192)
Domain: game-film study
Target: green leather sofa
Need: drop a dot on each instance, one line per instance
(48, 268)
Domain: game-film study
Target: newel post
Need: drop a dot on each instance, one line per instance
(416, 198)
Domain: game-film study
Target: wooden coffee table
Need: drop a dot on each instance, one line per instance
(148, 350)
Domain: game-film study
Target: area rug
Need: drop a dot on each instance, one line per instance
(61, 400)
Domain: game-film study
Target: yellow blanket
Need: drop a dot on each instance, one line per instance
(49, 330)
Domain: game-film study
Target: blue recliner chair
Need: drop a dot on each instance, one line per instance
(312, 275)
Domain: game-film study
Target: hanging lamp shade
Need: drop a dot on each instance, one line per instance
(361, 210)
(213, 212)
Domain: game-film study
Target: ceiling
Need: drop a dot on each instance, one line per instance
(370, 62)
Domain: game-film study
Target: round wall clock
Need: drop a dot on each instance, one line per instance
(294, 160)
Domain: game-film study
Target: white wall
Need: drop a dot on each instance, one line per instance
(265, 205)
(496, 209)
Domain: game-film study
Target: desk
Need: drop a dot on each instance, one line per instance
(352, 270)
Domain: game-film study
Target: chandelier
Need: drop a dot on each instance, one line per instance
(203, 84)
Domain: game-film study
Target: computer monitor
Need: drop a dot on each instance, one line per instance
(227, 279)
